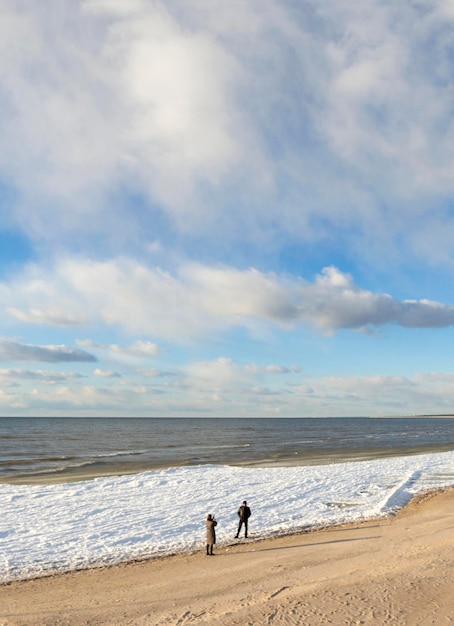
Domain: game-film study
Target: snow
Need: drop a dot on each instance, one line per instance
(54, 528)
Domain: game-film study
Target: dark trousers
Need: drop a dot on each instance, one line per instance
(245, 527)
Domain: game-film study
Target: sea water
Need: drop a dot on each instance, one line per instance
(64, 448)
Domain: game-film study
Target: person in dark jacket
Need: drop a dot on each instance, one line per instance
(244, 513)
(211, 533)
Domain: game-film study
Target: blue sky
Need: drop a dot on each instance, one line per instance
(226, 208)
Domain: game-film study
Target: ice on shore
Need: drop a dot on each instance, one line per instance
(54, 528)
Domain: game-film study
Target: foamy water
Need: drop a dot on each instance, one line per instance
(54, 528)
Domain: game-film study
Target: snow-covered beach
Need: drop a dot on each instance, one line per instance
(52, 528)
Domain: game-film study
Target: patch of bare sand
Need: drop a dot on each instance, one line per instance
(390, 571)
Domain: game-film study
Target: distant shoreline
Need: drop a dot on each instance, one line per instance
(434, 415)
(222, 417)
(393, 417)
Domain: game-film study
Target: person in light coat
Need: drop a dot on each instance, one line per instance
(211, 533)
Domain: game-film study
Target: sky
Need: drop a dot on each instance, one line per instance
(216, 208)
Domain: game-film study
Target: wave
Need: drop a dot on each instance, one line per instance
(51, 465)
(107, 455)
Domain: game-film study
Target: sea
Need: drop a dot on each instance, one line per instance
(62, 449)
(78, 493)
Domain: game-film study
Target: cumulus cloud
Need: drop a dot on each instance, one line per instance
(217, 374)
(224, 373)
(139, 348)
(282, 369)
(128, 97)
(38, 375)
(49, 317)
(156, 373)
(336, 302)
(197, 300)
(223, 386)
(190, 108)
(15, 351)
(428, 393)
(67, 400)
(106, 373)
(377, 118)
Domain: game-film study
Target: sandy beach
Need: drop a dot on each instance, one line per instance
(398, 570)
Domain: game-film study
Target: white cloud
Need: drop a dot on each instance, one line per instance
(198, 301)
(142, 348)
(38, 375)
(207, 114)
(126, 97)
(155, 373)
(216, 375)
(139, 348)
(386, 106)
(50, 317)
(106, 373)
(388, 395)
(80, 400)
(112, 7)
(15, 351)
(223, 386)
(225, 376)
(282, 369)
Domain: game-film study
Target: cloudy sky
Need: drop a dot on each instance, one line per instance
(216, 208)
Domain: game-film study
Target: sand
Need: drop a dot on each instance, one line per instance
(398, 570)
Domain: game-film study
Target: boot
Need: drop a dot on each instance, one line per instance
(208, 550)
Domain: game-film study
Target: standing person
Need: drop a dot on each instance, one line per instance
(244, 513)
(211, 533)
